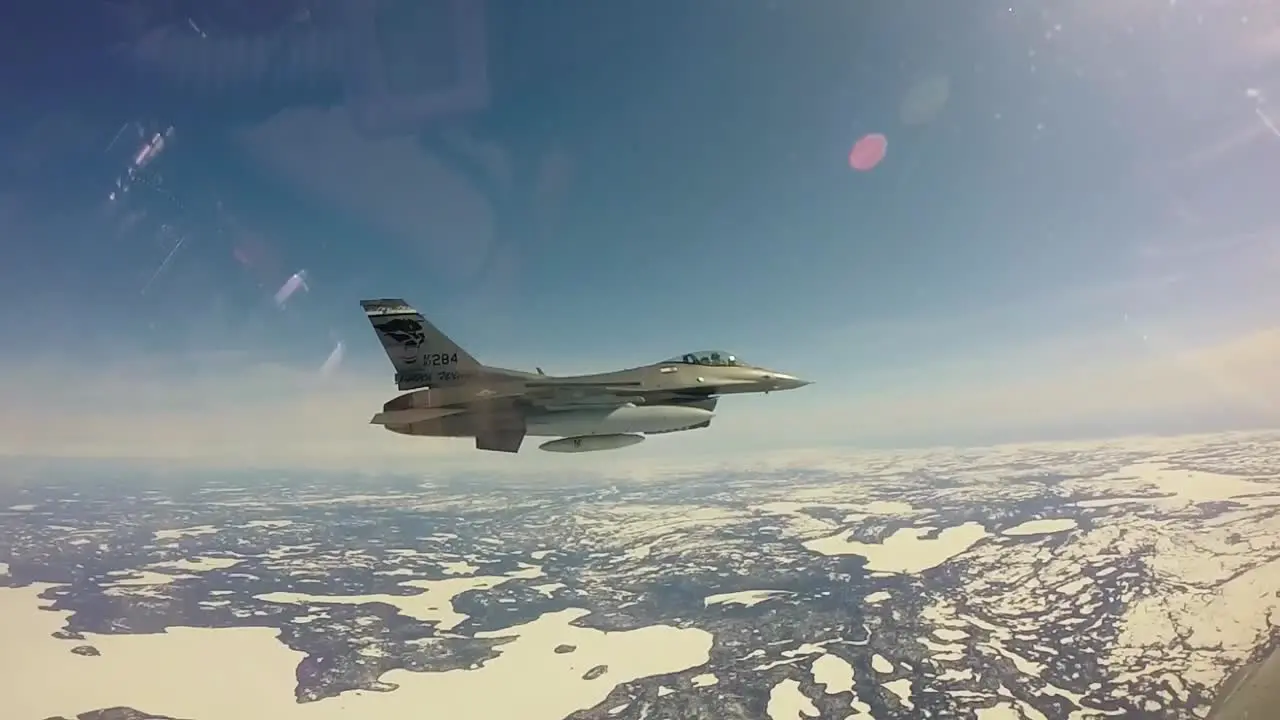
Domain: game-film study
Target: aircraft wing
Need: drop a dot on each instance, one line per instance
(509, 392)
(586, 384)
(571, 392)
(481, 397)
(576, 392)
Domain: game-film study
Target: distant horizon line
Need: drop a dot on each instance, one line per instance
(421, 468)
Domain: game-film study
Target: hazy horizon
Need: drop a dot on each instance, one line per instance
(1051, 249)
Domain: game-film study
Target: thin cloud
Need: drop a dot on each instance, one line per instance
(1232, 383)
(237, 413)
(389, 181)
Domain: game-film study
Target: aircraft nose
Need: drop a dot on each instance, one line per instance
(782, 381)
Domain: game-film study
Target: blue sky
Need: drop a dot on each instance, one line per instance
(1073, 240)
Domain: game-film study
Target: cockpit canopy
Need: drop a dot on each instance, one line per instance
(718, 358)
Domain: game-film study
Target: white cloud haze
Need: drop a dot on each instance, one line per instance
(232, 411)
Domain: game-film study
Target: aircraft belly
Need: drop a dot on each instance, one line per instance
(615, 420)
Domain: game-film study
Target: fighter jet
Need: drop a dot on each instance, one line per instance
(451, 394)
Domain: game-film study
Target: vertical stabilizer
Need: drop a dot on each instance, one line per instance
(421, 354)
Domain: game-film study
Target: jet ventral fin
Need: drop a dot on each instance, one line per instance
(421, 355)
(498, 428)
(507, 441)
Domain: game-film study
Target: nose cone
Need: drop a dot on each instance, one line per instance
(782, 381)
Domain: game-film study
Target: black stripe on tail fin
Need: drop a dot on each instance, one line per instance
(421, 354)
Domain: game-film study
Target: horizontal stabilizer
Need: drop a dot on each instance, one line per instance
(411, 415)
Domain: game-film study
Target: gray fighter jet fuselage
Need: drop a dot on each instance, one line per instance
(451, 394)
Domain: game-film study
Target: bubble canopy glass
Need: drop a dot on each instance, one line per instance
(718, 358)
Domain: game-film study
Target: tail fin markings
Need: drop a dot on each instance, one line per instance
(421, 355)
